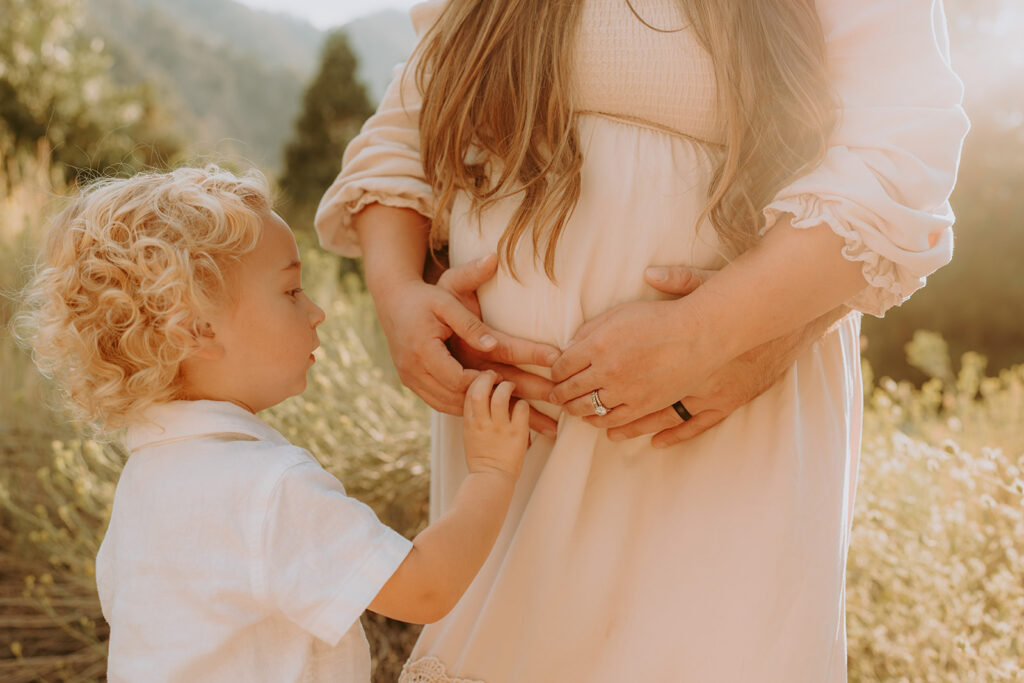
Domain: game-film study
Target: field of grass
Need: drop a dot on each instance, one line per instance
(935, 588)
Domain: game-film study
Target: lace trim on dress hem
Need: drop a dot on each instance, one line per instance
(882, 275)
(429, 670)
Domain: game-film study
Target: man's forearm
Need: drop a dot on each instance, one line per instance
(777, 288)
(773, 357)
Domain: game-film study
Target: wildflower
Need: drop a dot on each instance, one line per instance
(993, 454)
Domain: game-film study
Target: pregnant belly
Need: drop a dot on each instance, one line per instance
(642, 192)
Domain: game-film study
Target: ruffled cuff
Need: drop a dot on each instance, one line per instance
(888, 284)
(334, 215)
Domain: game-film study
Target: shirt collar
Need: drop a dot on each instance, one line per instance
(181, 420)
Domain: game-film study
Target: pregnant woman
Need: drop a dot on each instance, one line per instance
(805, 151)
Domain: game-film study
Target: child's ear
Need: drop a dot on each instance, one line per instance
(207, 346)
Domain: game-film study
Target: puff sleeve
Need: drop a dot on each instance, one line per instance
(382, 164)
(885, 182)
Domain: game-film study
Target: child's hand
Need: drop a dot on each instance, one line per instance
(495, 437)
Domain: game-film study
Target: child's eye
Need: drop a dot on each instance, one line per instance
(294, 292)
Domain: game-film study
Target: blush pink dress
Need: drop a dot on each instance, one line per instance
(723, 558)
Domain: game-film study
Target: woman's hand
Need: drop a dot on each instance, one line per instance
(419, 319)
(640, 357)
(734, 385)
(462, 283)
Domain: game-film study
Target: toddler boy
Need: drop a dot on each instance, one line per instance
(172, 305)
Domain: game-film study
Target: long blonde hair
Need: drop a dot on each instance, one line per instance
(495, 78)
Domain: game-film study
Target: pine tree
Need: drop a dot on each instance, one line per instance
(334, 107)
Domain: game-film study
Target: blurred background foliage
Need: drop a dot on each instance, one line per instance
(936, 576)
(977, 301)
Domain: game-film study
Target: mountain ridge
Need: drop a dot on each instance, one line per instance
(233, 76)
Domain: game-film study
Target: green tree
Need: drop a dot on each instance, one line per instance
(334, 108)
(54, 85)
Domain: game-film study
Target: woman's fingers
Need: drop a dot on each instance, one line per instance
(648, 424)
(439, 396)
(698, 424)
(578, 385)
(577, 353)
(437, 377)
(434, 359)
(517, 351)
(621, 416)
(528, 385)
(616, 417)
(467, 279)
(502, 347)
(463, 323)
(539, 422)
(680, 280)
(583, 406)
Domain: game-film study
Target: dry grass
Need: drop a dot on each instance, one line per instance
(935, 578)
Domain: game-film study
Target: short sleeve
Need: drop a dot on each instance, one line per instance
(382, 164)
(324, 555)
(885, 182)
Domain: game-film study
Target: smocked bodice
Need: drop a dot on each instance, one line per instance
(626, 69)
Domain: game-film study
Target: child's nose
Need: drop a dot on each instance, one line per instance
(317, 315)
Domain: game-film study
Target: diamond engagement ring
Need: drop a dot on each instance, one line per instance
(599, 408)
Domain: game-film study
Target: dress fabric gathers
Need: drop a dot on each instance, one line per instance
(722, 558)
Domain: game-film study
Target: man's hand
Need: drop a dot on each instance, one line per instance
(732, 386)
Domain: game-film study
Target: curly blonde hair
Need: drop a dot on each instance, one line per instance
(127, 269)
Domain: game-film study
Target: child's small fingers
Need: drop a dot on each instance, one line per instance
(499, 400)
(521, 415)
(477, 406)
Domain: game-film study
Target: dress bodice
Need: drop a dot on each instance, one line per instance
(628, 70)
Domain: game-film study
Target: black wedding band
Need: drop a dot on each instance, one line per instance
(681, 409)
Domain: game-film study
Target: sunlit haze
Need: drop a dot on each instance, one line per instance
(327, 14)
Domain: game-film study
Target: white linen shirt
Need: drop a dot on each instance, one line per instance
(232, 555)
